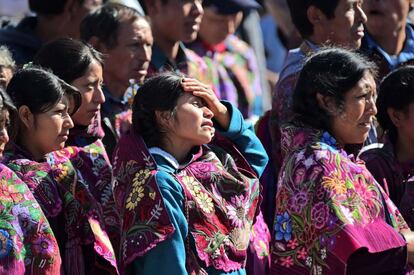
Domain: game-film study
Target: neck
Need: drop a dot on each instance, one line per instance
(48, 29)
(392, 40)
(168, 47)
(29, 146)
(404, 149)
(179, 152)
(116, 88)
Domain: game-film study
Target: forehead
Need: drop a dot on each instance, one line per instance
(366, 82)
(138, 27)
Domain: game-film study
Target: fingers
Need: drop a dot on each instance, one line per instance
(191, 83)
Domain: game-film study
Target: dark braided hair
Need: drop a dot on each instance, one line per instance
(158, 93)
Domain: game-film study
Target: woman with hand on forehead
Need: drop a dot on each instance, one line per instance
(186, 181)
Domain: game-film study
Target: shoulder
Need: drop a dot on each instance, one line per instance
(166, 182)
(375, 152)
(235, 44)
(293, 63)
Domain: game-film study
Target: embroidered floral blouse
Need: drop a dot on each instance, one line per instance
(328, 207)
(205, 246)
(27, 243)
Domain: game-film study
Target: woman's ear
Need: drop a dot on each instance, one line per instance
(327, 103)
(395, 116)
(163, 119)
(26, 116)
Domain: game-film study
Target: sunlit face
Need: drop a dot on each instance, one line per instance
(177, 20)
(385, 15)
(192, 124)
(346, 27)
(6, 73)
(130, 58)
(352, 125)
(49, 131)
(4, 136)
(216, 27)
(89, 86)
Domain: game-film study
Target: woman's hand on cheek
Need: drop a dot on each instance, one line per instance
(205, 92)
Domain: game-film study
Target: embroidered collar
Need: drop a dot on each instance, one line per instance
(172, 161)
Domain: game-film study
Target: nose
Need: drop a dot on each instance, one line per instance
(4, 136)
(207, 113)
(361, 16)
(98, 96)
(68, 122)
(197, 9)
(372, 107)
(144, 53)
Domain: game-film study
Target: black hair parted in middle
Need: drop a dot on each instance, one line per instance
(330, 72)
(67, 58)
(158, 93)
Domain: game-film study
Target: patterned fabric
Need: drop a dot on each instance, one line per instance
(235, 63)
(186, 62)
(92, 165)
(327, 207)
(395, 177)
(222, 196)
(258, 259)
(145, 226)
(67, 201)
(27, 243)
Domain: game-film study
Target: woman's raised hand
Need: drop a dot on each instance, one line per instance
(221, 114)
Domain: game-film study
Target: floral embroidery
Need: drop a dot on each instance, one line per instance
(283, 227)
(237, 211)
(134, 197)
(43, 245)
(140, 177)
(22, 223)
(6, 243)
(205, 202)
(312, 209)
(191, 185)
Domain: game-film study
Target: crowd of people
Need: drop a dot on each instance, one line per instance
(176, 137)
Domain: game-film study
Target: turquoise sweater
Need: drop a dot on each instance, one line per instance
(168, 257)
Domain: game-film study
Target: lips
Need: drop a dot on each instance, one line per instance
(208, 123)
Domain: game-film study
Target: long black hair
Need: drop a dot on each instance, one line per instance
(67, 58)
(158, 93)
(330, 72)
(40, 91)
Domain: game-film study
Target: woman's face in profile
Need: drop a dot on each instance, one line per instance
(192, 124)
(92, 96)
(352, 125)
(4, 136)
(49, 131)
